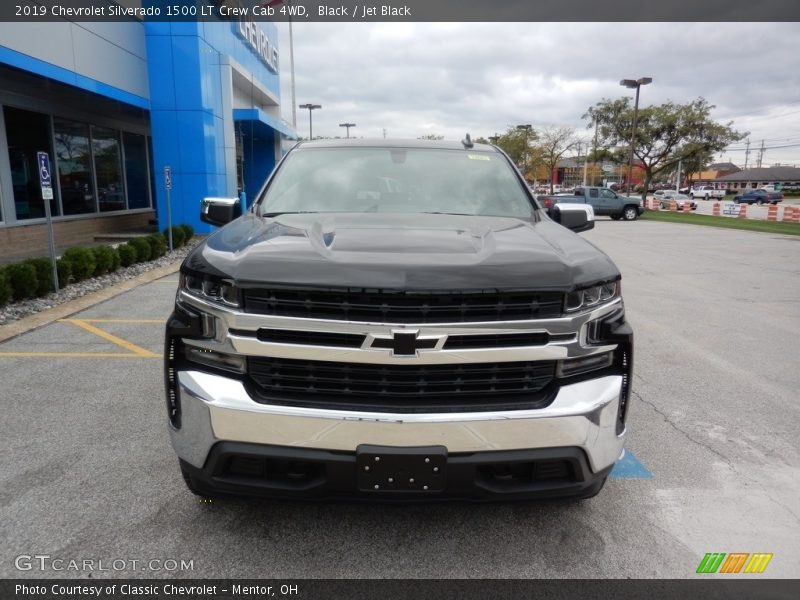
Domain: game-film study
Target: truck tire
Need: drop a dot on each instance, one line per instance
(629, 213)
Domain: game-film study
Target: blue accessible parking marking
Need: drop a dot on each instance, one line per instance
(629, 467)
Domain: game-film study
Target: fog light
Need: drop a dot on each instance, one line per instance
(219, 360)
(576, 366)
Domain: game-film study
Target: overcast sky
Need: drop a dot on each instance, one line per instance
(447, 79)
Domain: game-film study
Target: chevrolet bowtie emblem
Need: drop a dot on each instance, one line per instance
(405, 342)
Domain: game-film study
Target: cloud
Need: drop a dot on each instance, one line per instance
(449, 78)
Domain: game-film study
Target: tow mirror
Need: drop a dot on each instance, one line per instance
(219, 211)
(577, 217)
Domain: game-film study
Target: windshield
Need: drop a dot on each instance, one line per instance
(396, 180)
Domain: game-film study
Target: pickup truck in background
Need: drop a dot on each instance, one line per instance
(706, 192)
(604, 201)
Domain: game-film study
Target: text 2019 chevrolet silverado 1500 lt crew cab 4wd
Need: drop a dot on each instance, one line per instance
(397, 320)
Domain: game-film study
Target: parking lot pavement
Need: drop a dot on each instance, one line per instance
(88, 471)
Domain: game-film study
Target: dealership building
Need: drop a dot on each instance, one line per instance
(113, 104)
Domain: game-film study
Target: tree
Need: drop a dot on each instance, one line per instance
(554, 142)
(665, 134)
(512, 142)
(431, 136)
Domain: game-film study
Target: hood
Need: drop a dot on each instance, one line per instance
(398, 251)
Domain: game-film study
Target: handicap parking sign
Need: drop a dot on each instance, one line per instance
(44, 169)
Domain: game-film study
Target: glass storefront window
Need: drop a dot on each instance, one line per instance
(136, 170)
(108, 169)
(74, 166)
(27, 133)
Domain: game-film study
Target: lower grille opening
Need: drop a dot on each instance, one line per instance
(519, 474)
(255, 469)
(407, 388)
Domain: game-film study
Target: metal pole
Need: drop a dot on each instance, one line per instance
(594, 153)
(51, 243)
(585, 165)
(310, 130)
(633, 135)
(291, 67)
(168, 186)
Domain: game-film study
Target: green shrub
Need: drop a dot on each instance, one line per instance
(22, 277)
(115, 260)
(103, 259)
(178, 237)
(82, 262)
(127, 254)
(44, 275)
(64, 268)
(5, 288)
(158, 246)
(188, 231)
(142, 249)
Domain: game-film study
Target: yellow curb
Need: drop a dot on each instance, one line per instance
(40, 319)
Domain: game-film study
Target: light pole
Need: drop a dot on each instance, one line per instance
(527, 129)
(633, 83)
(348, 125)
(310, 107)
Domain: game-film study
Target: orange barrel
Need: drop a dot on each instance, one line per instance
(772, 212)
(716, 209)
(743, 211)
(796, 216)
(788, 214)
(687, 206)
(673, 206)
(654, 204)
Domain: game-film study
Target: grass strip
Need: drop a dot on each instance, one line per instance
(726, 222)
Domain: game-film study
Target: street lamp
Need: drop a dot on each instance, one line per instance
(527, 128)
(633, 83)
(348, 125)
(310, 107)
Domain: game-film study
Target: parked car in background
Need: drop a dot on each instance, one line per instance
(669, 195)
(706, 192)
(758, 197)
(604, 202)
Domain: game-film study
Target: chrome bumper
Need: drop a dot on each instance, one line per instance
(215, 408)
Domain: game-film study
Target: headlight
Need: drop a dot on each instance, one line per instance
(217, 291)
(593, 296)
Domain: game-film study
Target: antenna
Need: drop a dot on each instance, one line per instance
(467, 142)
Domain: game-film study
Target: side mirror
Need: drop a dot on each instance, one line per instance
(219, 211)
(577, 217)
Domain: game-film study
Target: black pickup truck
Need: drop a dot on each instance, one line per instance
(397, 320)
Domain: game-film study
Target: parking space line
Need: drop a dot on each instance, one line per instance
(136, 350)
(629, 467)
(75, 355)
(159, 321)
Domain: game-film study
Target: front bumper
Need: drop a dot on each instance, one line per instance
(219, 420)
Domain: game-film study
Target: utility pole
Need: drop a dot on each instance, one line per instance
(747, 154)
(384, 133)
(761, 154)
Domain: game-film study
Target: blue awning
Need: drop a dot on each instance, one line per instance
(259, 116)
